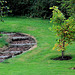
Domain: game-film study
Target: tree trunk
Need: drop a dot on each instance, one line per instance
(62, 54)
(63, 50)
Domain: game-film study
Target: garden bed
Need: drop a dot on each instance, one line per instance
(18, 44)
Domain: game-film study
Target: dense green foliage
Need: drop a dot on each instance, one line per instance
(32, 8)
(40, 8)
(37, 61)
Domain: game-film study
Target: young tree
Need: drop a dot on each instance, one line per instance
(65, 29)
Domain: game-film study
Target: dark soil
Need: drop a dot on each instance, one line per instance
(18, 35)
(22, 41)
(73, 68)
(19, 48)
(60, 58)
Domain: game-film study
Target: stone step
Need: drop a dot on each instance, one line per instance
(8, 33)
(22, 44)
(25, 37)
(5, 52)
(5, 56)
(15, 52)
(12, 52)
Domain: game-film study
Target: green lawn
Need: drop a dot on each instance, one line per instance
(38, 61)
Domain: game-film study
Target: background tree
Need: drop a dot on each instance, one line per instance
(65, 29)
(31, 8)
(4, 9)
(40, 8)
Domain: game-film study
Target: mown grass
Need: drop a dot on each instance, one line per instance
(37, 61)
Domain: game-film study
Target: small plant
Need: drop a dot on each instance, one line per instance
(1, 35)
(65, 29)
(3, 41)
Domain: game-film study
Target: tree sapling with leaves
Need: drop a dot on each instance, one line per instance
(65, 29)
